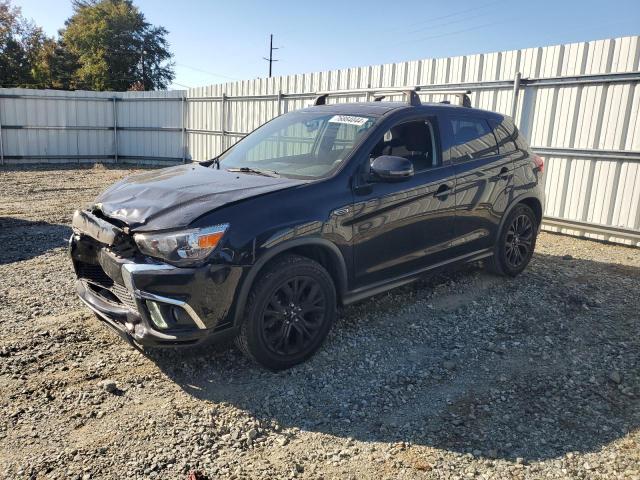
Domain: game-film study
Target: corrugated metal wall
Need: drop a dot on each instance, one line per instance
(579, 105)
(53, 125)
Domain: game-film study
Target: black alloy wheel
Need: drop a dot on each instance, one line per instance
(519, 241)
(516, 242)
(289, 312)
(293, 317)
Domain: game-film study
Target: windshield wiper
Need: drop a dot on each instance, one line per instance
(257, 171)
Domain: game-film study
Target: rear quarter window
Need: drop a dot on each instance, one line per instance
(506, 141)
(514, 134)
(470, 138)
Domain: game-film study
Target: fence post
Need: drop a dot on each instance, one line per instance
(115, 130)
(183, 111)
(223, 121)
(1, 144)
(279, 102)
(516, 93)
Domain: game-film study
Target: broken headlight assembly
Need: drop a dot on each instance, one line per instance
(181, 248)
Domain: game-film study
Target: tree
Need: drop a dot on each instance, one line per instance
(54, 66)
(105, 45)
(20, 45)
(115, 48)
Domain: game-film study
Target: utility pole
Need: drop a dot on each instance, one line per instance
(271, 49)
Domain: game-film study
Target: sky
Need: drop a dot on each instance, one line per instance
(216, 41)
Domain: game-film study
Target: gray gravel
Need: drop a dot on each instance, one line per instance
(464, 375)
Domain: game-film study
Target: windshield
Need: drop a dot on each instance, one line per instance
(298, 145)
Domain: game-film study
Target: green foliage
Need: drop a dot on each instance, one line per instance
(105, 45)
(20, 44)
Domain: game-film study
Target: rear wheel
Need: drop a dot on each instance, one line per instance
(516, 242)
(290, 310)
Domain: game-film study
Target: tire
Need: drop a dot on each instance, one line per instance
(516, 242)
(289, 312)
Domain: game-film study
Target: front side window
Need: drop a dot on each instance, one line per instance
(299, 144)
(413, 140)
(471, 138)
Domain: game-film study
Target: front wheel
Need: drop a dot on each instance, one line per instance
(289, 313)
(516, 242)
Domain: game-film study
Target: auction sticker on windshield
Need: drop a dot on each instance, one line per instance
(349, 120)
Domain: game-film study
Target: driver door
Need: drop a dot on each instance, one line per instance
(406, 226)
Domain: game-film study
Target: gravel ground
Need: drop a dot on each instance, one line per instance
(464, 375)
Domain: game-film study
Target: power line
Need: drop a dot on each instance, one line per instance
(457, 32)
(449, 15)
(181, 85)
(206, 71)
(436, 34)
(451, 22)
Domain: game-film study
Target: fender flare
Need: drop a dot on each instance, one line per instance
(516, 201)
(256, 268)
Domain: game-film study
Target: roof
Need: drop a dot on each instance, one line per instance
(381, 108)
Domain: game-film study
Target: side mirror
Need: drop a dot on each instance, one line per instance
(392, 169)
(312, 125)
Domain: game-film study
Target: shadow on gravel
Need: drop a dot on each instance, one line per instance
(534, 367)
(23, 239)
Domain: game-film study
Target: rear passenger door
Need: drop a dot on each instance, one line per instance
(484, 178)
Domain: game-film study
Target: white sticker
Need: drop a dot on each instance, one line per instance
(349, 120)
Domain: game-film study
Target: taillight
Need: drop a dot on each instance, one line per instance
(539, 161)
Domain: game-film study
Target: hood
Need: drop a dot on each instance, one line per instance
(174, 197)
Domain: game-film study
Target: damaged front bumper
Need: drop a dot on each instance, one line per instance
(154, 303)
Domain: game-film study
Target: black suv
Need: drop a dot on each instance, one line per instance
(318, 207)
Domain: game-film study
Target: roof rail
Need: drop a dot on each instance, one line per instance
(321, 99)
(410, 95)
(463, 96)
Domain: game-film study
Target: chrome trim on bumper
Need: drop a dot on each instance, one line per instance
(129, 268)
(171, 301)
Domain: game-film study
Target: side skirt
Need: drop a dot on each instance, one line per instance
(364, 292)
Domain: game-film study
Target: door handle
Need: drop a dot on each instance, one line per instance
(443, 191)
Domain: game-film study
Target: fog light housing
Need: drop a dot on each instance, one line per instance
(181, 317)
(156, 315)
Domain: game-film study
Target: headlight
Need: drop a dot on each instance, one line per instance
(181, 248)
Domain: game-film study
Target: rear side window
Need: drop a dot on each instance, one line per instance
(506, 142)
(521, 142)
(471, 138)
(512, 134)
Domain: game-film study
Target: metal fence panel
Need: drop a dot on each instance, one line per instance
(53, 125)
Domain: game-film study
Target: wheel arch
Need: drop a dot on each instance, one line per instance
(320, 250)
(530, 201)
(535, 205)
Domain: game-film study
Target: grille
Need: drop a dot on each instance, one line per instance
(95, 275)
(124, 296)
